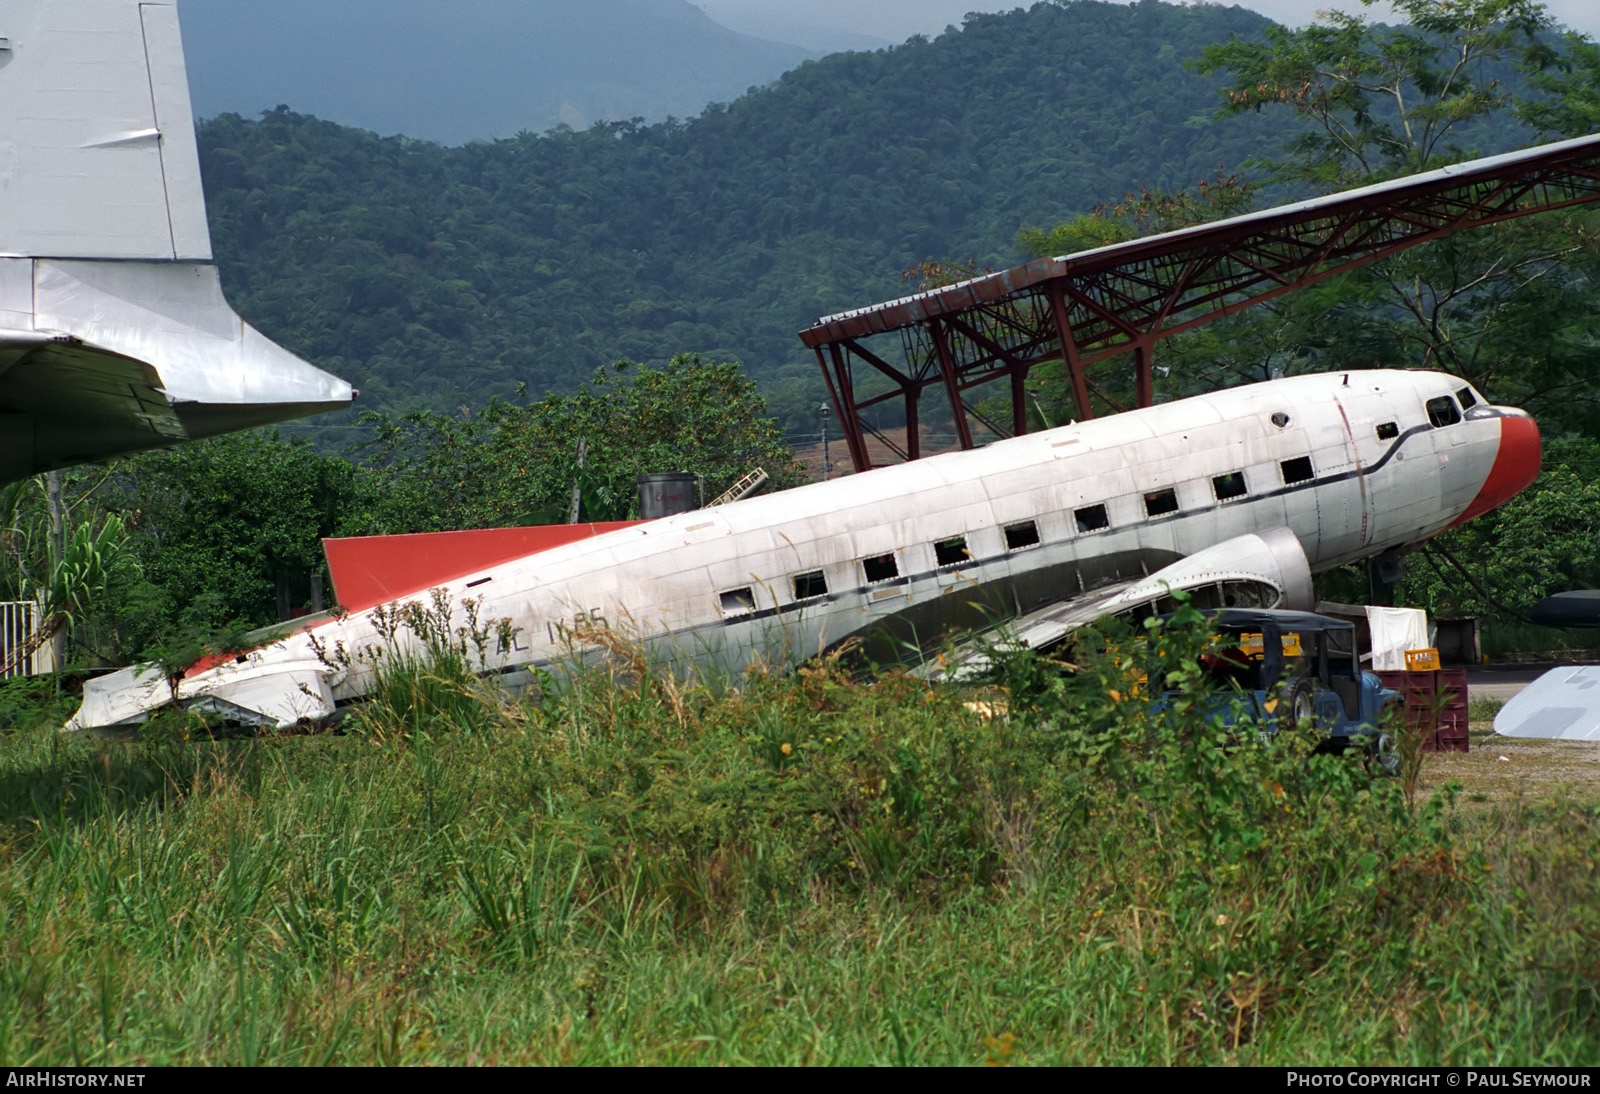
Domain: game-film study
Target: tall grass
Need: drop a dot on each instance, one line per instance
(801, 869)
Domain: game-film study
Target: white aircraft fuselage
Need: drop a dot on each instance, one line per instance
(1237, 496)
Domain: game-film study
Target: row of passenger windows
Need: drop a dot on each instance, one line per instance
(1159, 503)
(880, 568)
(877, 569)
(946, 552)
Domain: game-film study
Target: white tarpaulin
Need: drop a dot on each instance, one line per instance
(1394, 631)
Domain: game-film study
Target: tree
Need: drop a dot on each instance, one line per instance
(516, 462)
(222, 525)
(1569, 78)
(1504, 307)
(1379, 101)
(1150, 211)
(78, 585)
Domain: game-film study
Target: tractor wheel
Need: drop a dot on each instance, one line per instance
(1299, 706)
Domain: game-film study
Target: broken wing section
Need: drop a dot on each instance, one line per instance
(1266, 569)
(1561, 705)
(273, 696)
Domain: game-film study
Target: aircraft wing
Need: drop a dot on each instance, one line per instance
(274, 696)
(1266, 569)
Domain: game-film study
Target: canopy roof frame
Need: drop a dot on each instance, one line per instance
(1083, 309)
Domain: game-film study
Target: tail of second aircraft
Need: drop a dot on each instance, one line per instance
(114, 334)
(99, 157)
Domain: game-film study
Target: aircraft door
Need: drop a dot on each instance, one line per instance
(1351, 519)
(1296, 466)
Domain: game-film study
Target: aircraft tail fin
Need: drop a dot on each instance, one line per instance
(100, 160)
(114, 333)
(372, 570)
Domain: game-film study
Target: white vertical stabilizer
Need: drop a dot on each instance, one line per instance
(114, 333)
(98, 155)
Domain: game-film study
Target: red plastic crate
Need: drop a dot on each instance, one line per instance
(1435, 706)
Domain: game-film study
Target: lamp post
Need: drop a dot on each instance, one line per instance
(827, 467)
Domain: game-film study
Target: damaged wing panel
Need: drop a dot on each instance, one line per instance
(272, 696)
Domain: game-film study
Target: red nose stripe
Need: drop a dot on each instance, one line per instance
(1516, 464)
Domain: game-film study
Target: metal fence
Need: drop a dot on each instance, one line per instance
(19, 623)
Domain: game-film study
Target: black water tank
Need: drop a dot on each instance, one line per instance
(665, 494)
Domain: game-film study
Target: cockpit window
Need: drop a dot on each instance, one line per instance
(1442, 411)
(1468, 399)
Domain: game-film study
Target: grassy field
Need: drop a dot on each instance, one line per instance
(800, 870)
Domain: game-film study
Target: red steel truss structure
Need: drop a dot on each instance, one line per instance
(1083, 309)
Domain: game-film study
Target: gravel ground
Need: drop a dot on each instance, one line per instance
(1500, 770)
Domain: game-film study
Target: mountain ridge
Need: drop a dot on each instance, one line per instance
(490, 69)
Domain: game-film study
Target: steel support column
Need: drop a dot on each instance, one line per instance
(844, 401)
(947, 369)
(1069, 352)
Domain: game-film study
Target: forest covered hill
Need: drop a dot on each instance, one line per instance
(438, 276)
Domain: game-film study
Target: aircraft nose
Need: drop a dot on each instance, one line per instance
(1516, 465)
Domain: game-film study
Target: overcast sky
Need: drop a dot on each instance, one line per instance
(896, 20)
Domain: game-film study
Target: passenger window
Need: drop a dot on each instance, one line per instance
(1388, 431)
(951, 552)
(1021, 535)
(1296, 470)
(1468, 399)
(738, 601)
(1092, 518)
(880, 568)
(810, 585)
(1228, 486)
(1159, 503)
(1442, 411)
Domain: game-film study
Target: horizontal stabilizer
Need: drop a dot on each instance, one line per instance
(372, 570)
